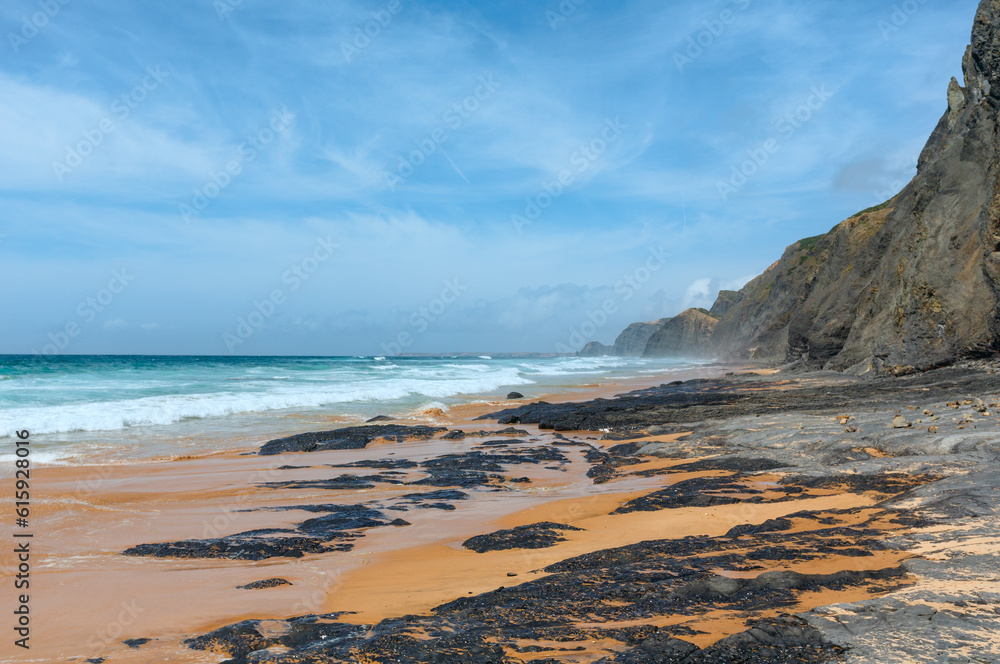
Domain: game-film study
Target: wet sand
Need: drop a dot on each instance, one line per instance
(87, 598)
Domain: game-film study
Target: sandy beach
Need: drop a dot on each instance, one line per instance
(89, 599)
(537, 499)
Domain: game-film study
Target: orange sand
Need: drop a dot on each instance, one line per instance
(86, 598)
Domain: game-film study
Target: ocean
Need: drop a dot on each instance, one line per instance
(117, 409)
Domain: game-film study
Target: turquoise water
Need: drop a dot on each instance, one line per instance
(111, 408)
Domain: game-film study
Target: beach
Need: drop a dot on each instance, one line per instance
(88, 599)
(688, 531)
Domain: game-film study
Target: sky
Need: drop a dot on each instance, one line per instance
(376, 177)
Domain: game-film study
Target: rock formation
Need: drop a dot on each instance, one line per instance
(630, 343)
(915, 283)
(725, 302)
(912, 283)
(688, 334)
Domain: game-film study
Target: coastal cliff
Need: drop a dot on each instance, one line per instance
(911, 284)
(688, 334)
(630, 343)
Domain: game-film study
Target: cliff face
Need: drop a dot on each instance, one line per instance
(632, 342)
(686, 335)
(724, 303)
(595, 349)
(912, 283)
(916, 283)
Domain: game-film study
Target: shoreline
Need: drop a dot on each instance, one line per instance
(86, 499)
(294, 419)
(576, 479)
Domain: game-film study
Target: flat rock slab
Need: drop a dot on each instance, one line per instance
(335, 531)
(265, 583)
(348, 438)
(535, 536)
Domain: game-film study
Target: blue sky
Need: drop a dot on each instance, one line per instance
(265, 178)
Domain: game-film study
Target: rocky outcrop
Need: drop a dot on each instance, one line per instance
(914, 283)
(630, 343)
(911, 284)
(724, 302)
(688, 334)
(595, 349)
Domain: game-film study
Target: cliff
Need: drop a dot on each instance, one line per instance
(724, 303)
(688, 334)
(595, 349)
(912, 283)
(630, 343)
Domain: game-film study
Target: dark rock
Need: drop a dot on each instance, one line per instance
(266, 583)
(348, 438)
(535, 536)
(515, 395)
(595, 349)
(633, 584)
(241, 639)
(341, 483)
(782, 640)
(479, 468)
(695, 492)
(633, 339)
(459, 435)
(688, 334)
(135, 643)
(769, 526)
(238, 547)
(348, 518)
(697, 401)
(914, 282)
(739, 464)
(665, 647)
(381, 464)
(907, 285)
(723, 303)
(435, 496)
(379, 418)
(312, 536)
